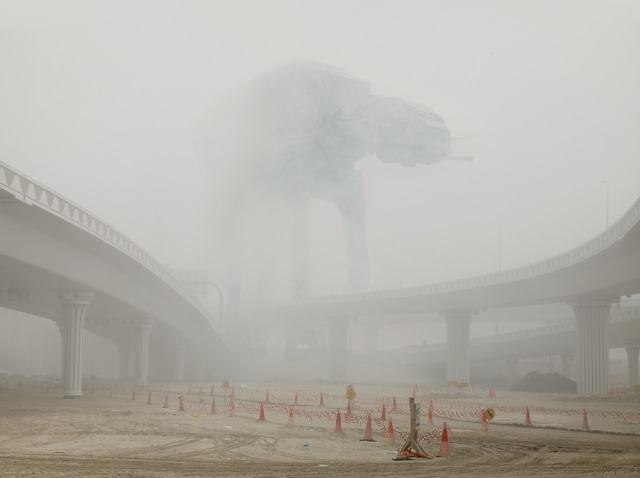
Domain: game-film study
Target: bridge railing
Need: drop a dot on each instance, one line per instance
(613, 234)
(32, 192)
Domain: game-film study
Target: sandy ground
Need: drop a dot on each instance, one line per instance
(107, 434)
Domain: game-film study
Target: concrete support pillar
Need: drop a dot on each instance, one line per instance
(458, 326)
(512, 372)
(592, 345)
(338, 348)
(179, 353)
(143, 328)
(124, 359)
(567, 359)
(632, 359)
(75, 304)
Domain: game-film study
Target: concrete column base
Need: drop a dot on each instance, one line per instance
(592, 346)
(458, 326)
(75, 305)
(632, 358)
(143, 327)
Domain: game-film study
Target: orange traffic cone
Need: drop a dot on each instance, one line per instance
(338, 423)
(368, 431)
(391, 434)
(214, 409)
(430, 413)
(166, 401)
(485, 425)
(527, 417)
(444, 441)
(349, 415)
(321, 400)
(133, 395)
(181, 404)
(585, 421)
(383, 414)
(290, 421)
(261, 418)
(395, 405)
(149, 398)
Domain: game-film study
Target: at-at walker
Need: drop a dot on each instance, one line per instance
(303, 125)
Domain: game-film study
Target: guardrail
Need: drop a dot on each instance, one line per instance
(32, 192)
(613, 234)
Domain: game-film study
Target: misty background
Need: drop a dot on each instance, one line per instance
(99, 100)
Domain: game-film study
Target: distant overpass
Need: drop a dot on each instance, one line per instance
(590, 278)
(61, 262)
(550, 340)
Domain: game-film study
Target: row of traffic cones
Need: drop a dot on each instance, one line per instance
(368, 436)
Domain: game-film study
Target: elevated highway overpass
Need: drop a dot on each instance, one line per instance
(590, 278)
(61, 262)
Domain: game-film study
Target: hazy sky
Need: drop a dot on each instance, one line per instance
(98, 100)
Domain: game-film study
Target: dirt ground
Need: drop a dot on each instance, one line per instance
(107, 434)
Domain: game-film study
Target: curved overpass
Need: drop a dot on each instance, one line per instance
(57, 260)
(589, 277)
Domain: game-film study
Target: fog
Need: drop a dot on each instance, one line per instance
(104, 102)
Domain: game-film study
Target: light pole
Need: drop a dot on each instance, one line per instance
(606, 183)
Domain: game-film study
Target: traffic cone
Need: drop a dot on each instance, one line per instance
(295, 399)
(214, 409)
(181, 404)
(261, 412)
(395, 405)
(527, 417)
(321, 400)
(338, 428)
(368, 431)
(149, 398)
(430, 413)
(133, 395)
(485, 425)
(383, 414)
(444, 441)
(166, 401)
(290, 421)
(391, 435)
(349, 415)
(585, 421)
